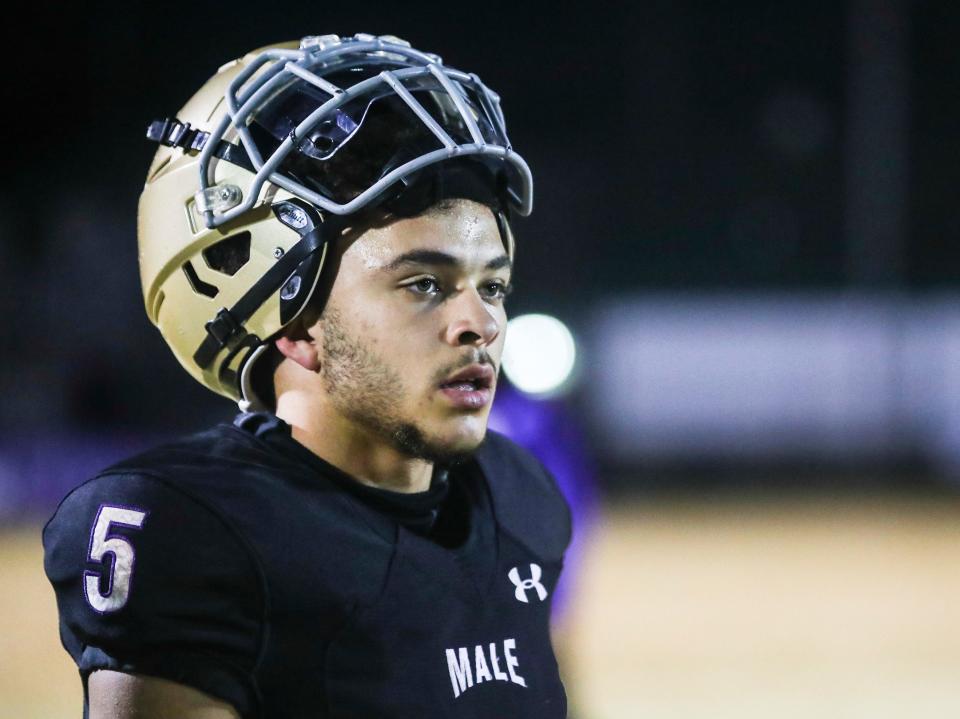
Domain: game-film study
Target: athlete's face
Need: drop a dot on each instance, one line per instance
(413, 330)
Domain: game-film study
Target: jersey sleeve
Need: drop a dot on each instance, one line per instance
(149, 580)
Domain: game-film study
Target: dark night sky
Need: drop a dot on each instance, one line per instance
(651, 129)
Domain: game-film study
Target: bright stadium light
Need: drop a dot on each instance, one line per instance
(539, 354)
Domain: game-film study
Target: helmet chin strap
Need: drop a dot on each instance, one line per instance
(249, 401)
(226, 328)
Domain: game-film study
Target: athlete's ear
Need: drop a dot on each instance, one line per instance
(301, 350)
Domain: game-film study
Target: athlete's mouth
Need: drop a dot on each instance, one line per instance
(475, 377)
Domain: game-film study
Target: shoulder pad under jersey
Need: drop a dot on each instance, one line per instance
(526, 499)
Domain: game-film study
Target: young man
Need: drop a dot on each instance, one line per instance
(324, 237)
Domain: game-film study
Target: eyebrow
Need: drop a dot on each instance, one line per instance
(437, 258)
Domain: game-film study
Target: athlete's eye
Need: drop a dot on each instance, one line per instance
(424, 286)
(495, 289)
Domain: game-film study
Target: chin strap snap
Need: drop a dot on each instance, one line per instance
(171, 132)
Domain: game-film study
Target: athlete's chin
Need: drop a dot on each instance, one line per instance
(467, 439)
(455, 441)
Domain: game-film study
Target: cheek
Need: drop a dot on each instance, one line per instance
(496, 347)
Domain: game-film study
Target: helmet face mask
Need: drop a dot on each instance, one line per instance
(374, 136)
(275, 157)
(293, 96)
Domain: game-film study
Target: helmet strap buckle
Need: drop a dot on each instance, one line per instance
(223, 327)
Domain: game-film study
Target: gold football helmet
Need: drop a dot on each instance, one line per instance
(274, 157)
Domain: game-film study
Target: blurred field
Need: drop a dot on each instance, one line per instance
(37, 678)
(828, 608)
(842, 608)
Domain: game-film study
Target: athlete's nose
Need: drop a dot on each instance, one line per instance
(472, 321)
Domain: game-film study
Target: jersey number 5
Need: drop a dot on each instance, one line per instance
(121, 570)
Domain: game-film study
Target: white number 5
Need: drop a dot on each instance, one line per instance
(102, 543)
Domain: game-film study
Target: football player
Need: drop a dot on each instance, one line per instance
(324, 238)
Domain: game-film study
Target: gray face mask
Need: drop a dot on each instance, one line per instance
(342, 125)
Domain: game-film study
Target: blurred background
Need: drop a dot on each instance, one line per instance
(744, 215)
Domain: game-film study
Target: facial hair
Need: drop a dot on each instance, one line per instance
(366, 390)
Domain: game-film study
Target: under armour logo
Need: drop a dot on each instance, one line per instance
(523, 585)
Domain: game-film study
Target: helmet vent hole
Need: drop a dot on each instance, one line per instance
(198, 285)
(229, 255)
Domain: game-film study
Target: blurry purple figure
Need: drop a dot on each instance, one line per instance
(548, 429)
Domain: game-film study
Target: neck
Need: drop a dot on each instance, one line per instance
(367, 458)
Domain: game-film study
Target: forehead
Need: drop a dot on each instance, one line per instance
(465, 229)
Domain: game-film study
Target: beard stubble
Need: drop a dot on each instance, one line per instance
(366, 390)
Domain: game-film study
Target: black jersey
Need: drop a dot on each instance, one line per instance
(257, 576)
